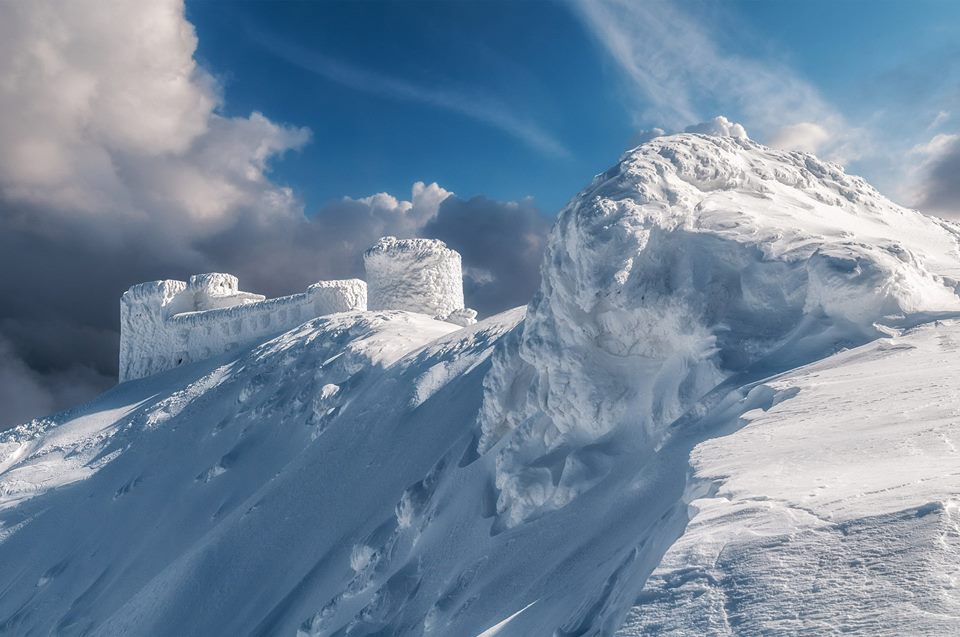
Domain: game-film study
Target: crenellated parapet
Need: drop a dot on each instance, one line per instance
(164, 324)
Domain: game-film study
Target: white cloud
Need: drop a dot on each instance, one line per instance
(105, 112)
(719, 126)
(808, 137)
(408, 216)
(936, 147)
(938, 120)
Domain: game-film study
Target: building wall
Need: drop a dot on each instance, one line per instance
(416, 275)
(164, 324)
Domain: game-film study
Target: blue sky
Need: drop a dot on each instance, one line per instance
(525, 99)
(530, 62)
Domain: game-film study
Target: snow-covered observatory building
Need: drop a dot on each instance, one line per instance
(164, 324)
(416, 275)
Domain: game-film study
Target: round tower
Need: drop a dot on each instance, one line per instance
(416, 275)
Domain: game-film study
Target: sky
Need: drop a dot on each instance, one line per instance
(531, 99)
(277, 140)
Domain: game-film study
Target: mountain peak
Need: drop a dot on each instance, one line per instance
(715, 376)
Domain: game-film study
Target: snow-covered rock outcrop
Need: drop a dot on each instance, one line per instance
(416, 275)
(164, 324)
(695, 258)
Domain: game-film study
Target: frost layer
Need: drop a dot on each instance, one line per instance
(164, 324)
(417, 275)
(693, 259)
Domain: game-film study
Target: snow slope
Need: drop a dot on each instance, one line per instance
(835, 511)
(732, 378)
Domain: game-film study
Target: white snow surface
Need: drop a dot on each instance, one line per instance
(738, 376)
(417, 275)
(835, 511)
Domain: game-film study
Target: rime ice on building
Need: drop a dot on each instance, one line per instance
(164, 324)
(417, 275)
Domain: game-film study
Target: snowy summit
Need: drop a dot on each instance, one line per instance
(728, 410)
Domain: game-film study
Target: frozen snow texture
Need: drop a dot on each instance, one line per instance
(832, 511)
(694, 258)
(164, 324)
(416, 275)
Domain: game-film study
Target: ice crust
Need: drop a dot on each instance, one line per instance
(693, 259)
(416, 275)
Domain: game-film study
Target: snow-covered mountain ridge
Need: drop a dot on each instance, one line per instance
(733, 378)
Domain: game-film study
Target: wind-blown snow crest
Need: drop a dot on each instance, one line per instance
(693, 259)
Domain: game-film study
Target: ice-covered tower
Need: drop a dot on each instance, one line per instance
(144, 311)
(416, 275)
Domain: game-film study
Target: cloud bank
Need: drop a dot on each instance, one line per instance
(116, 166)
(936, 179)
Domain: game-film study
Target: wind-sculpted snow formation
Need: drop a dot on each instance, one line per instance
(694, 259)
(737, 376)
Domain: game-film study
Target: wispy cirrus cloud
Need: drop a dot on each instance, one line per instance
(474, 105)
(681, 73)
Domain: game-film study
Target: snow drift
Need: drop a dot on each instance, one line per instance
(695, 258)
(689, 395)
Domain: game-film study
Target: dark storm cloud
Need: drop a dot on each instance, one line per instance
(939, 185)
(501, 244)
